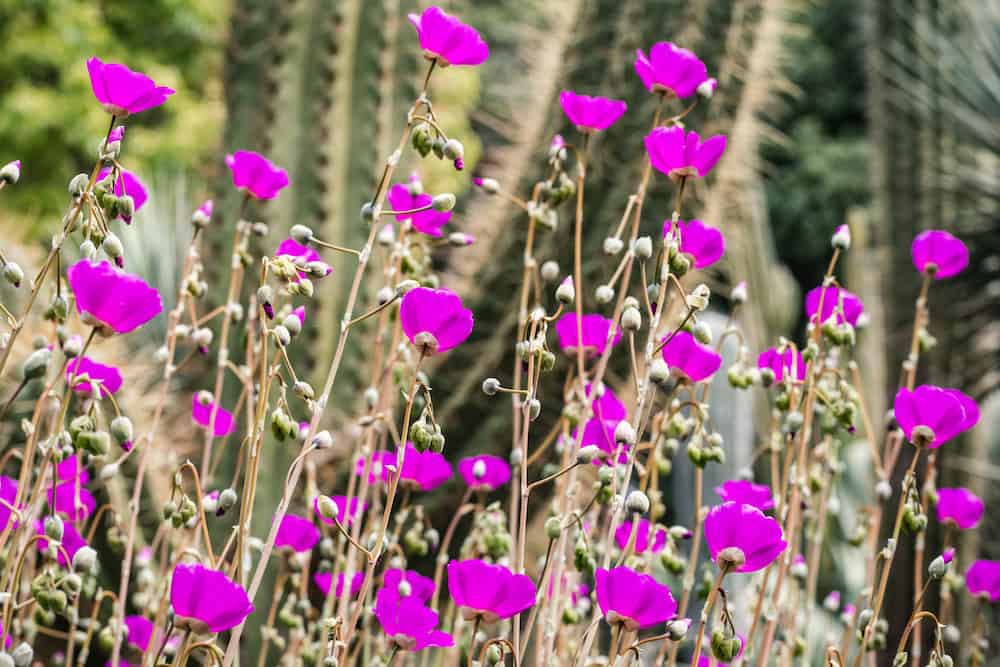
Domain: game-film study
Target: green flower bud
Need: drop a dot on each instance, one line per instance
(443, 202)
(553, 527)
(97, 443)
(227, 499)
(122, 431)
(36, 365)
(13, 274)
(53, 527)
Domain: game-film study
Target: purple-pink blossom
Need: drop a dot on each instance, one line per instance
(983, 579)
(324, 579)
(127, 184)
(743, 537)
(680, 154)
(633, 599)
(111, 298)
(412, 583)
(297, 533)
(746, 492)
(446, 39)
(108, 377)
(409, 624)
(346, 511)
(424, 470)
(939, 254)
(960, 506)
(595, 334)
(72, 500)
(427, 221)
(788, 364)
(591, 114)
(201, 413)
(207, 600)
(642, 536)
(945, 412)
(671, 70)
(140, 632)
(484, 471)
(694, 360)
(255, 175)
(703, 243)
(434, 319)
(121, 91)
(847, 306)
(489, 591)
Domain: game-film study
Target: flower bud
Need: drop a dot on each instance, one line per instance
(489, 185)
(706, 88)
(304, 390)
(702, 333)
(739, 293)
(550, 271)
(292, 324)
(841, 238)
(678, 629)
(301, 234)
(566, 293)
(125, 207)
(10, 172)
(534, 409)
(460, 239)
(122, 431)
(367, 212)
(85, 560)
(644, 247)
(13, 273)
(443, 202)
(624, 433)
(698, 299)
(491, 386)
(637, 502)
(78, 184)
(23, 655)
(937, 568)
(553, 528)
(659, 372)
(322, 440)
(588, 454)
(282, 337)
(405, 286)
(327, 508)
(453, 149)
(604, 294)
(613, 245)
(227, 499)
(53, 528)
(883, 490)
(631, 319)
(37, 363)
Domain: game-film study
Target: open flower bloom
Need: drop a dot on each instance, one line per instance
(72, 541)
(8, 492)
(847, 306)
(121, 91)
(595, 334)
(599, 430)
(108, 377)
(983, 579)
(747, 493)
(679, 154)
(434, 319)
(409, 624)
(127, 183)
(408, 583)
(484, 471)
(788, 364)
(428, 222)
(323, 580)
(256, 175)
(703, 243)
(424, 470)
(642, 539)
(297, 533)
(633, 599)
(742, 538)
(945, 412)
(71, 469)
(140, 632)
(687, 356)
(345, 516)
(939, 254)
(960, 506)
(72, 500)
(489, 591)
(591, 114)
(671, 70)
(110, 298)
(446, 39)
(207, 600)
(201, 413)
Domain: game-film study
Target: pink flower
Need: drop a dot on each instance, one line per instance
(948, 554)
(297, 533)
(624, 532)
(378, 468)
(960, 506)
(746, 493)
(434, 319)
(72, 500)
(600, 433)
(72, 469)
(679, 154)
(784, 364)
(140, 632)
(201, 413)
(595, 334)
(445, 38)
(121, 91)
(111, 298)
(72, 541)
(345, 516)
(743, 536)
(256, 175)
(983, 579)
(300, 253)
(127, 183)
(427, 222)
(207, 600)
(408, 623)
(416, 584)
(670, 69)
(939, 253)
(205, 210)
(703, 243)
(489, 591)
(324, 579)
(946, 412)
(424, 470)
(484, 471)
(591, 114)
(633, 599)
(687, 356)
(8, 492)
(109, 377)
(848, 307)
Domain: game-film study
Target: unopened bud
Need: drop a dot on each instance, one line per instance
(10, 172)
(644, 247)
(322, 440)
(443, 202)
(327, 508)
(491, 386)
(624, 433)
(637, 502)
(604, 294)
(566, 293)
(841, 238)
(550, 271)
(13, 273)
(553, 528)
(85, 560)
(631, 319)
(301, 234)
(739, 293)
(613, 245)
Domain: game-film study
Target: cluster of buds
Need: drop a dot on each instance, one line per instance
(489, 536)
(428, 138)
(703, 450)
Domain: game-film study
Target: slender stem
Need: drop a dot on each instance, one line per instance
(706, 612)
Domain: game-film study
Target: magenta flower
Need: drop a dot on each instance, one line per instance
(489, 591)
(255, 175)
(484, 471)
(427, 222)
(424, 470)
(946, 412)
(788, 364)
(116, 134)
(110, 298)
(72, 500)
(747, 493)
(129, 184)
(140, 632)
(434, 319)
(591, 114)
(624, 531)
(847, 306)
(379, 468)
(297, 533)
(632, 599)
(409, 624)
(323, 580)
(8, 492)
(703, 243)
(201, 413)
(108, 377)
(446, 39)
(595, 334)
(71, 469)
(960, 506)
(692, 359)
(983, 579)
(121, 91)
(681, 155)
(72, 541)
(345, 516)
(939, 254)
(743, 537)
(671, 70)
(296, 251)
(207, 600)
(600, 433)
(412, 583)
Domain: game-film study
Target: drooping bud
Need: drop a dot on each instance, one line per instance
(566, 293)
(301, 234)
(13, 273)
(491, 386)
(122, 432)
(443, 202)
(631, 319)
